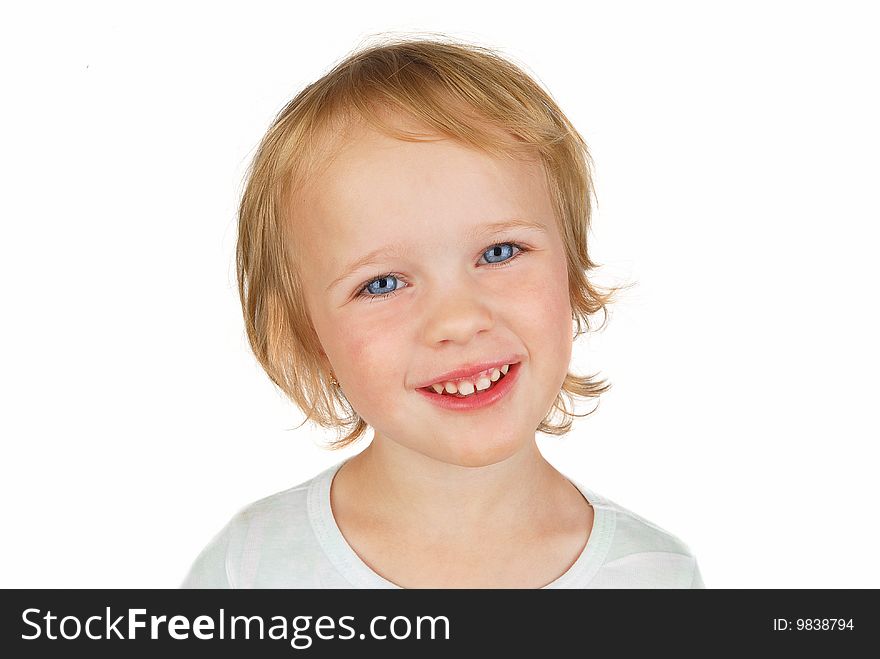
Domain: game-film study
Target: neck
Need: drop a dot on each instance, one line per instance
(393, 485)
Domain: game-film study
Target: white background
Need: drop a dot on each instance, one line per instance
(736, 150)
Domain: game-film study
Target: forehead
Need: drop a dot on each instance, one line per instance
(376, 182)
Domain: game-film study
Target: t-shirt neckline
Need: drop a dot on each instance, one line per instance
(361, 575)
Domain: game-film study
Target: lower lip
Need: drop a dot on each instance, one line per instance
(477, 400)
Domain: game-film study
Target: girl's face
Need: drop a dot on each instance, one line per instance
(457, 290)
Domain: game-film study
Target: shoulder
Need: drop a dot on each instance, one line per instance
(642, 554)
(273, 523)
(290, 505)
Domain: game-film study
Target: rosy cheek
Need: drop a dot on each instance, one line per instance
(367, 354)
(367, 362)
(542, 295)
(357, 351)
(549, 313)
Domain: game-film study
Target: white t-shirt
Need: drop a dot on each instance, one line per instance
(291, 540)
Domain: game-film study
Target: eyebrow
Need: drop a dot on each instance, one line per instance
(398, 249)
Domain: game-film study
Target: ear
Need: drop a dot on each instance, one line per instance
(325, 361)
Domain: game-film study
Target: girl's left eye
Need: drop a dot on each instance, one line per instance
(498, 251)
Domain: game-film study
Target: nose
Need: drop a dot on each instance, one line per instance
(457, 314)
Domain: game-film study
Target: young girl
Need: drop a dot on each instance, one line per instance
(413, 252)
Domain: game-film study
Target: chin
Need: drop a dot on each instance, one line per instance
(479, 454)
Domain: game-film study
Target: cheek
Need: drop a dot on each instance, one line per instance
(543, 304)
(367, 359)
(369, 345)
(550, 333)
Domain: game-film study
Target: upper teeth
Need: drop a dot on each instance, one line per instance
(467, 386)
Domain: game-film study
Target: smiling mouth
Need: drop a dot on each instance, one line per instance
(476, 392)
(471, 384)
(480, 399)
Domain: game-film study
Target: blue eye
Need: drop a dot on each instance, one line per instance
(383, 282)
(383, 286)
(500, 248)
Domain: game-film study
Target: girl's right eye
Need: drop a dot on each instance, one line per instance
(384, 282)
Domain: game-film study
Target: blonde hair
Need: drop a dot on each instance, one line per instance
(460, 91)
